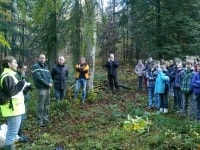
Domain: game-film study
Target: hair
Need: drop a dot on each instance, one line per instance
(20, 65)
(6, 60)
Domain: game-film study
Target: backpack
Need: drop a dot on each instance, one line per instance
(4, 98)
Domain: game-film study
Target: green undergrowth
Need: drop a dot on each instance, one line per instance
(99, 123)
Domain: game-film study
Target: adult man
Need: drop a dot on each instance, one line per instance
(43, 82)
(59, 75)
(112, 65)
(82, 75)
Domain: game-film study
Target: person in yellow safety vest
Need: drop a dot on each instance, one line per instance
(14, 108)
(82, 75)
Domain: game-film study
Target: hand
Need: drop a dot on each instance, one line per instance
(27, 84)
(108, 59)
(50, 85)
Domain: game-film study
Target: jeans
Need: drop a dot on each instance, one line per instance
(43, 105)
(60, 93)
(188, 98)
(151, 97)
(157, 101)
(178, 102)
(13, 127)
(163, 100)
(81, 83)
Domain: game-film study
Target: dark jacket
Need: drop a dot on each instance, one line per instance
(59, 75)
(112, 67)
(177, 80)
(41, 76)
(151, 77)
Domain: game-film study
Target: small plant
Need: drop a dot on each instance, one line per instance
(138, 124)
(91, 96)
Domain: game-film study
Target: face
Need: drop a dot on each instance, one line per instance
(23, 69)
(188, 65)
(61, 60)
(82, 60)
(13, 65)
(162, 67)
(42, 59)
(111, 56)
(139, 61)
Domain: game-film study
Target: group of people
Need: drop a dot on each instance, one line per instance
(176, 78)
(14, 83)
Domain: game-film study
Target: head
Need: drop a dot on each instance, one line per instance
(163, 67)
(152, 65)
(61, 60)
(139, 61)
(21, 68)
(150, 59)
(42, 58)
(112, 56)
(82, 60)
(180, 65)
(10, 62)
(189, 64)
(171, 62)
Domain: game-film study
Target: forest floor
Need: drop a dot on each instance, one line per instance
(102, 123)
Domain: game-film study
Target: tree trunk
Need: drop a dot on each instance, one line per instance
(93, 51)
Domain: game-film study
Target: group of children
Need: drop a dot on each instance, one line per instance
(176, 78)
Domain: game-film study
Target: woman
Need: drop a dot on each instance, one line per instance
(13, 109)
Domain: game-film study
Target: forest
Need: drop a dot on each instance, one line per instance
(132, 30)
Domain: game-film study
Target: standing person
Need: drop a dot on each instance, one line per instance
(59, 75)
(186, 89)
(177, 88)
(112, 65)
(147, 66)
(151, 78)
(21, 75)
(13, 109)
(139, 70)
(81, 75)
(162, 82)
(196, 90)
(43, 82)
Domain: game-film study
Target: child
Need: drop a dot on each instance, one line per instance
(162, 81)
(186, 89)
(151, 78)
(139, 70)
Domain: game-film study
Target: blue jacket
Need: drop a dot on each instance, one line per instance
(41, 76)
(59, 75)
(196, 83)
(160, 82)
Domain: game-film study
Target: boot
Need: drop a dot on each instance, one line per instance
(9, 147)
